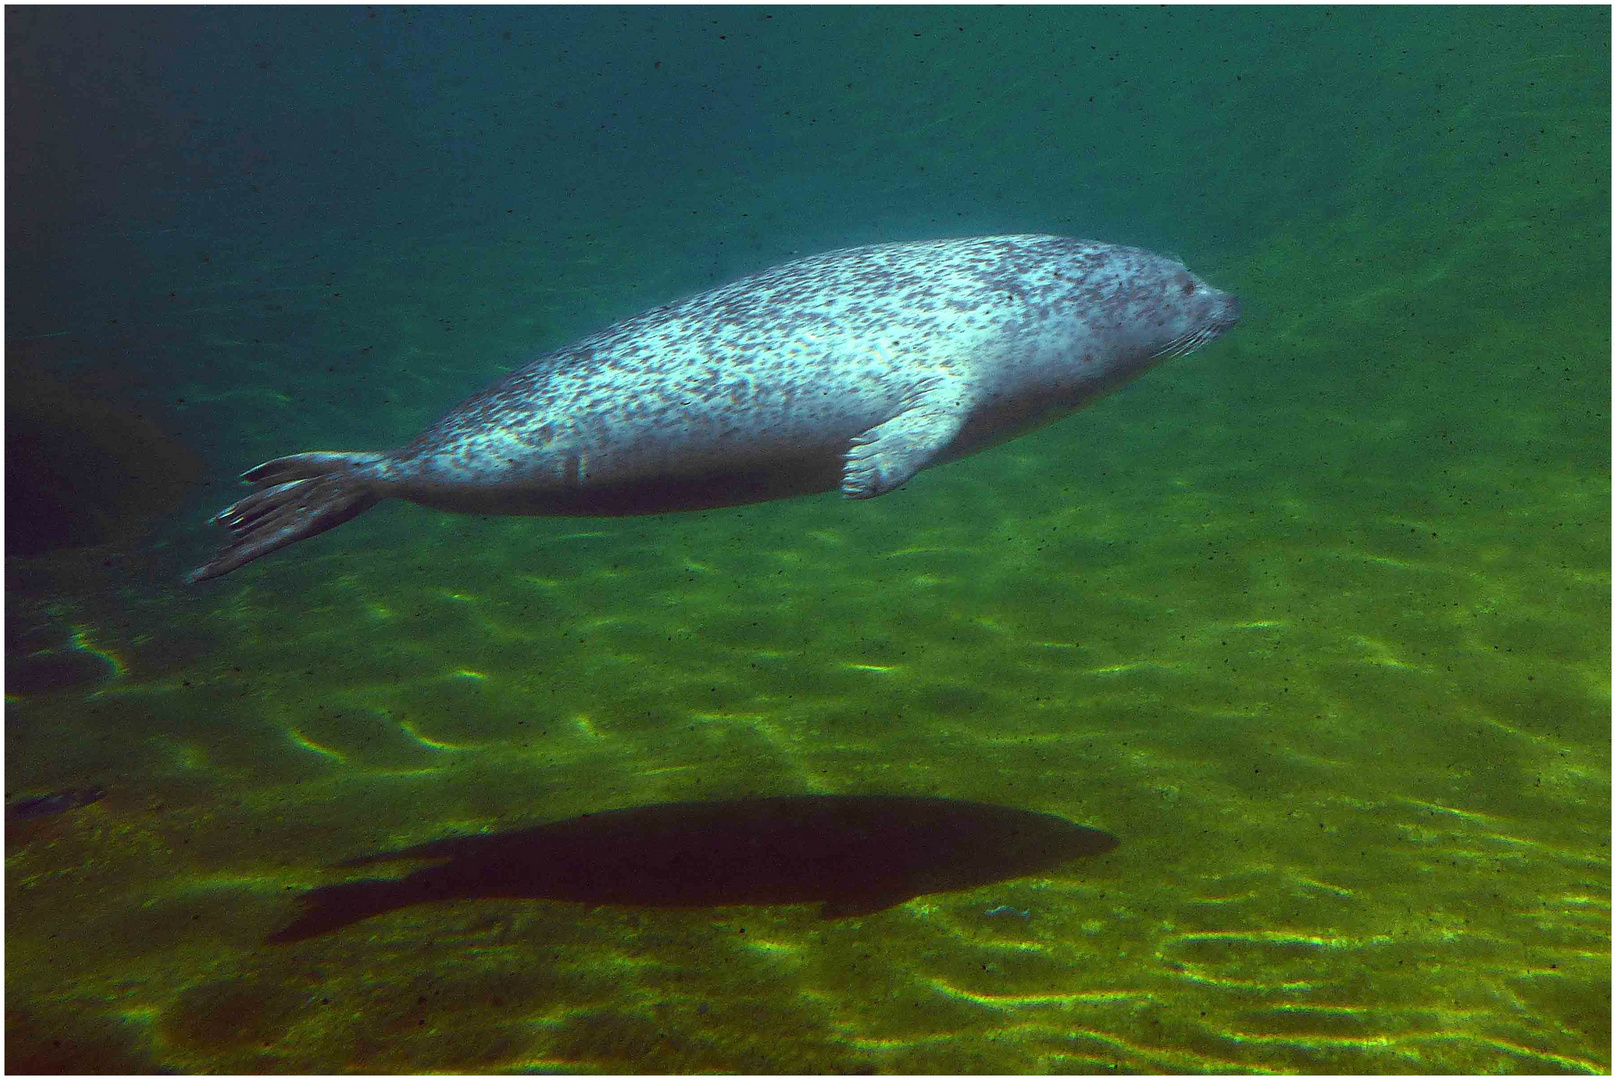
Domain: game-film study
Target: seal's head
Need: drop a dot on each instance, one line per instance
(1143, 308)
(1183, 312)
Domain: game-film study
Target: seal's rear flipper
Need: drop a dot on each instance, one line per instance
(306, 494)
(311, 464)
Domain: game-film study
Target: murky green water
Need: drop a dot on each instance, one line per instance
(1315, 621)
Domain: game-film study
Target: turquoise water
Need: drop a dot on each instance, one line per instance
(1315, 621)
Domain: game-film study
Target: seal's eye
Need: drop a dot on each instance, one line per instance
(1189, 288)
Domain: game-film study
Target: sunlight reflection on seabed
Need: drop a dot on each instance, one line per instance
(81, 640)
(1111, 1049)
(434, 744)
(1014, 1001)
(309, 744)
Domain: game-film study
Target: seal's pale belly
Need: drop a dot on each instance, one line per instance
(854, 369)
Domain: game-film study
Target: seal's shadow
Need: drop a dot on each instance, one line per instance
(852, 854)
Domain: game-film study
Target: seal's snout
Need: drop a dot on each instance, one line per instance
(1228, 311)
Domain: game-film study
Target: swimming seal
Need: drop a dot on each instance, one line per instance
(854, 369)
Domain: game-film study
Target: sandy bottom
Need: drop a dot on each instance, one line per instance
(1350, 725)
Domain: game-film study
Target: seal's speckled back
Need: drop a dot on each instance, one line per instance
(856, 368)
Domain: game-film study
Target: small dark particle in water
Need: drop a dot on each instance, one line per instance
(851, 854)
(57, 802)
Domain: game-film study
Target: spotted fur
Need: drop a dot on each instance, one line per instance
(853, 369)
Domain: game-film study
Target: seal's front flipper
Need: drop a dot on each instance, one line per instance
(307, 494)
(888, 454)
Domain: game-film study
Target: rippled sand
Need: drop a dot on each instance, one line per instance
(1355, 750)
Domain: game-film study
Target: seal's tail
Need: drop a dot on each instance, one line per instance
(297, 497)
